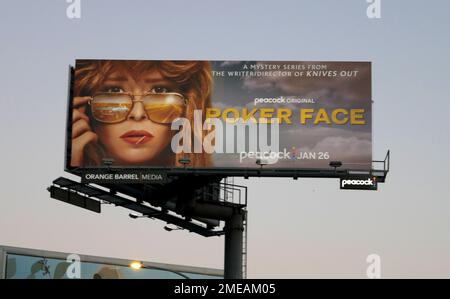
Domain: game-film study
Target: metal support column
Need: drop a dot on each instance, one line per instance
(234, 229)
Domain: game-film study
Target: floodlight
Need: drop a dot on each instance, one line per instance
(262, 162)
(169, 229)
(134, 215)
(107, 161)
(185, 161)
(335, 164)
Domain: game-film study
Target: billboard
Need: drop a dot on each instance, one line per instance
(26, 263)
(219, 115)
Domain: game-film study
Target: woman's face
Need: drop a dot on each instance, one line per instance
(137, 140)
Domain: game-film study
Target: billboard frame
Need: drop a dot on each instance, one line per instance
(331, 172)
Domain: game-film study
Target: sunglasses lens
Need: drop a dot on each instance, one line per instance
(111, 108)
(164, 108)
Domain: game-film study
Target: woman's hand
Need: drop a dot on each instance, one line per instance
(82, 133)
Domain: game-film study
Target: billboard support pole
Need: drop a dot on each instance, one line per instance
(234, 229)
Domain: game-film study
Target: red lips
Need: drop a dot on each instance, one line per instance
(137, 137)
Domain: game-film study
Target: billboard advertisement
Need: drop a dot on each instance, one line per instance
(219, 114)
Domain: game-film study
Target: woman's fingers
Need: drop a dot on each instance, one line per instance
(78, 145)
(79, 127)
(81, 131)
(80, 103)
(77, 115)
(86, 138)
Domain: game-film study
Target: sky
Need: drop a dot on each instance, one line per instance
(297, 229)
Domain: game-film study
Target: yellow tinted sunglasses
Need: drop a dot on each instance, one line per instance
(162, 108)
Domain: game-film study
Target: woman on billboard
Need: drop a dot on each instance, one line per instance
(124, 109)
